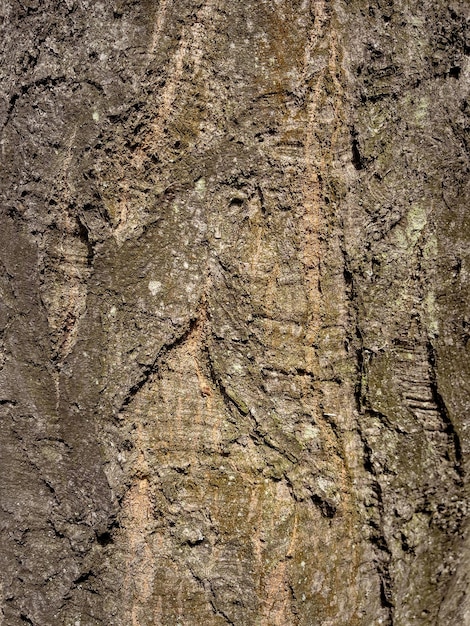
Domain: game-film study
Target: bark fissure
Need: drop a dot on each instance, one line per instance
(444, 413)
(234, 313)
(149, 371)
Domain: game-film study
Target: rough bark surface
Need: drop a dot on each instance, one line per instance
(234, 318)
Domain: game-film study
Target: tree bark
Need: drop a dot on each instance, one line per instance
(235, 322)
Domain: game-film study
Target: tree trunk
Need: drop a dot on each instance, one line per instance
(235, 273)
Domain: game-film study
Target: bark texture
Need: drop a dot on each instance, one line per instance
(234, 318)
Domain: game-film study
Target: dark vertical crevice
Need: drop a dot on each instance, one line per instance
(356, 157)
(449, 427)
(378, 535)
(84, 235)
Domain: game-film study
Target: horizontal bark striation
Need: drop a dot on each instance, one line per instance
(233, 313)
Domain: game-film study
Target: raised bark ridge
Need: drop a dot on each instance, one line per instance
(234, 313)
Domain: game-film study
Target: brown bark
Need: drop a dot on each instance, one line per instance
(234, 313)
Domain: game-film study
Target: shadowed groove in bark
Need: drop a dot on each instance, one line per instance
(441, 405)
(150, 370)
(287, 444)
